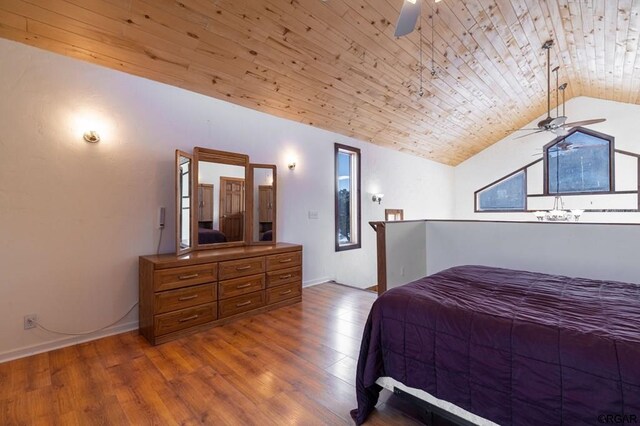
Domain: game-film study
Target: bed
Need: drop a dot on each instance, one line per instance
(267, 236)
(210, 236)
(511, 347)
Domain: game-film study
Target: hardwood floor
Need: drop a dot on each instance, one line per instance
(295, 365)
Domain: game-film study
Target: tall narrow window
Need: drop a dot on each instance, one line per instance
(347, 203)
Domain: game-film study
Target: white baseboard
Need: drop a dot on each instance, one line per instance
(74, 340)
(316, 282)
(65, 341)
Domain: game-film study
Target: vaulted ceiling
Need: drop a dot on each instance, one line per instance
(335, 64)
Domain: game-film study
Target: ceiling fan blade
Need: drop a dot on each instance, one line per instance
(408, 17)
(529, 134)
(521, 130)
(585, 122)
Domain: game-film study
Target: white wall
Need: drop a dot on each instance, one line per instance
(406, 252)
(511, 154)
(76, 216)
(598, 251)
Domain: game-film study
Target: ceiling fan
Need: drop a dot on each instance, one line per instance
(408, 17)
(558, 124)
(564, 145)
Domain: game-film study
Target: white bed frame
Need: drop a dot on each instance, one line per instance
(461, 416)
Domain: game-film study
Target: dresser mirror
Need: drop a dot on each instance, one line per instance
(219, 217)
(262, 201)
(184, 183)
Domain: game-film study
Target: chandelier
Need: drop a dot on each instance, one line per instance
(558, 213)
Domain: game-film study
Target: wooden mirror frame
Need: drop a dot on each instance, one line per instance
(178, 178)
(222, 157)
(250, 206)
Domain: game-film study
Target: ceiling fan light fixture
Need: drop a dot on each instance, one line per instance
(558, 121)
(557, 125)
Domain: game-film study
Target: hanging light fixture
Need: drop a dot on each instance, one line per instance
(433, 51)
(433, 65)
(558, 213)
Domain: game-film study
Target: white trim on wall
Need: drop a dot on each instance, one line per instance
(50, 345)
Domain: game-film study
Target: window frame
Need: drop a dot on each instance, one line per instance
(593, 133)
(357, 196)
(476, 194)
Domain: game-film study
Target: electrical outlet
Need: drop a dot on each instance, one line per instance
(30, 321)
(313, 214)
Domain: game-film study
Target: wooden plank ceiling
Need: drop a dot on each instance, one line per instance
(336, 65)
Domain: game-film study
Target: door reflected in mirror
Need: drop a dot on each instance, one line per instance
(264, 203)
(221, 203)
(184, 175)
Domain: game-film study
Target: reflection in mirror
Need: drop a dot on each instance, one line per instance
(391, 215)
(221, 203)
(264, 200)
(183, 202)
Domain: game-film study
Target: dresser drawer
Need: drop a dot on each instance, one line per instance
(239, 304)
(167, 279)
(283, 292)
(243, 285)
(283, 276)
(241, 268)
(184, 318)
(173, 300)
(283, 261)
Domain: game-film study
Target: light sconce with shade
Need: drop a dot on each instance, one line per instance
(377, 198)
(291, 165)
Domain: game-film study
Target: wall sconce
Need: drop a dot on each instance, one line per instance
(91, 136)
(292, 165)
(377, 197)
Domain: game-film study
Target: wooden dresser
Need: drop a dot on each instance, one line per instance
(180, 295)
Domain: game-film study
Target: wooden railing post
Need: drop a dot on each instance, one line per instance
(381, 248)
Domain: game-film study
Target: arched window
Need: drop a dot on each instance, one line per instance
(580, 162)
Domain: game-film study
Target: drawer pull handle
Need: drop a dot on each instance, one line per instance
(183, 298)
(286, 260)
(191, 318)
(284, 277)
(285, 292)
(239, 305)
(239, 286)
(186, 277)
(243, 268)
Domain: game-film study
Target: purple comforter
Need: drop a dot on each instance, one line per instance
(513, 347)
